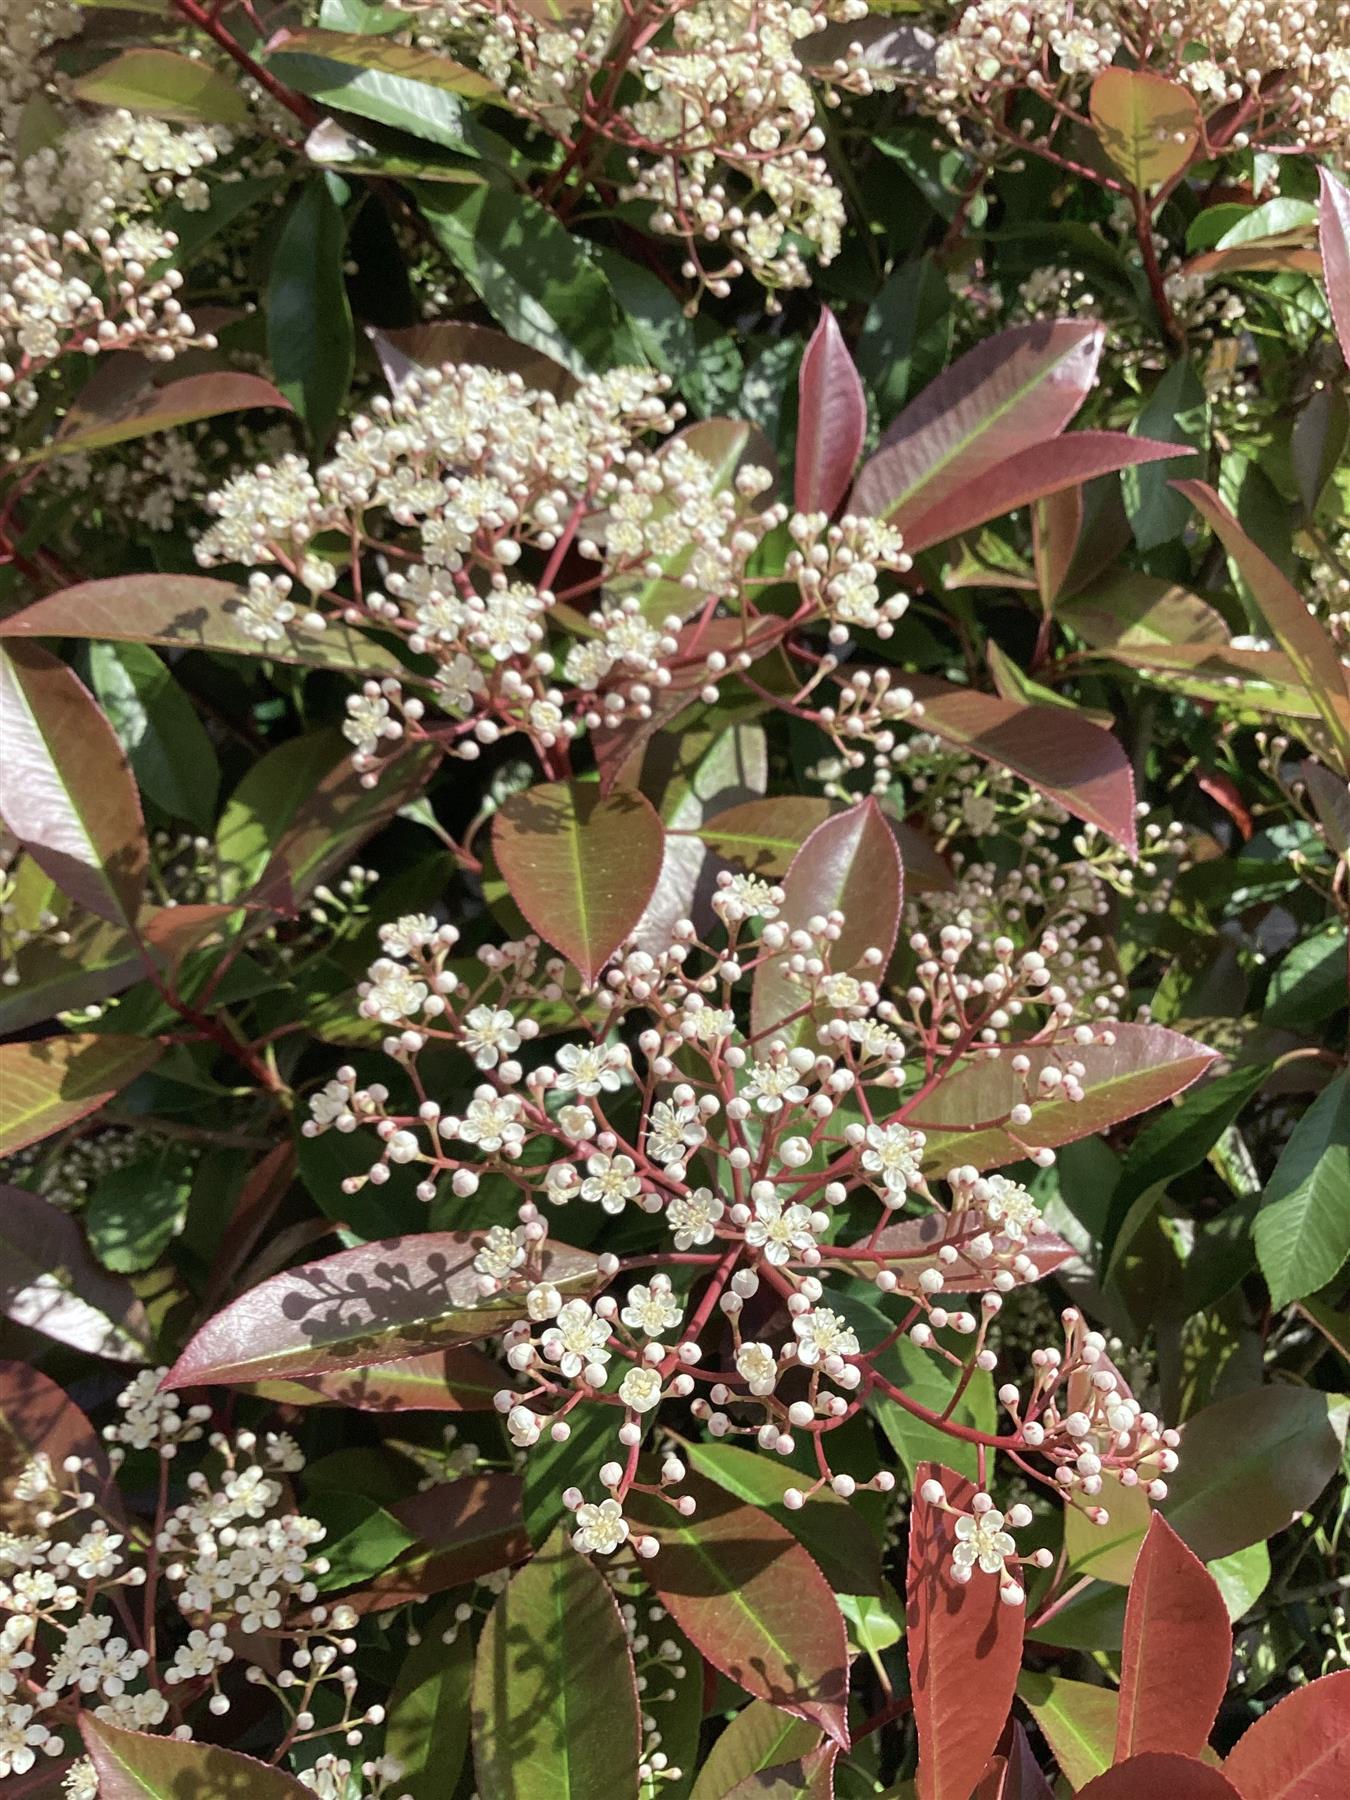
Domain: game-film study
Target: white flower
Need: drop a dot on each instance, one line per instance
(779, 1232)
(692, 1217)
(578, 1340)
(412, 932)
(652, 1309)
(95, 1556)
(543, 1302)
(673, 1131)
(591, 1068)
(524, 1427)
(641, 1388)
(392, 993)
(331, 1104)
(747, 897)
(981, 1540)
(822, 1333)
(489, 1034)
(492, 1121)
(758, 1364)
(1008, 1204)
(895, 1153)
(610, 1181)
(202, 1654)
(21, 1737)
(502, 1251)
(773, 1084)
(600, 1529)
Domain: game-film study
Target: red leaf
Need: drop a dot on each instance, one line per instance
(1056, 524)
(134, 1765)
(189, 612)
(964, 1645)
(1014, 1774)
(1225, 792)
(850, 863)
(50, 1282)
(1300, 1749)
(36, 1416)
(580, 865)
(467, 1529)
(378, 1303)
(922, 1238)
(1177, 1649)
(69, 794)
(127, 400)
(462, 1380)
(1063, 754)
(831, 420)
(1032, 474)
(744, 1592)
(1011, 391)
(963, 1116)
(1155, 1776)
(1333, 230)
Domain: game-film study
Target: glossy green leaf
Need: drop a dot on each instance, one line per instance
(414, 90)
(1077, 1720)
(1302, 1231)
(1150, 127)
(165, 85)
(170, 754)
(69, 796)
(1177, 410)
(310, 336)
(1311, 982)
(137, 1209)
(427, 1728)
(133, 1765)
(580, 865)
(50, 1283)
(759, 1736)
(906, 335)
(555, 1702)
(48, 1083)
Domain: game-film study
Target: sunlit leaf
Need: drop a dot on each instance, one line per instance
(831, 419)
(133, 1765)
(427, 1728)
(130, 398)
(1300, 1749)
(464, 1530)
(165, 85)
(759, 1736)
(1302, 1231)
(39, 1418)
(1177, 1649)
(1076, 1719)
(1150, 127)
(50, 1283)
(51, 1082)
(1155, 1773)
(415, 90)
(1333, 232)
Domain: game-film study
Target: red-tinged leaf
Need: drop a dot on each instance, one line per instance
(461, 1380)
(465, 1529)
(1300, 632)
(1333, 231)
(1158, 1776)
(263, 1190)
(763, 836)
(920, 1240)
(962, 1640)
(1300, 1749)
(746, 1594)
(415, 347)
(133, 1765)
(1056, 523)
(1150, 127)
(1250, 1463)
(50, 1283)
(1063, 754)
(759, 1737)
(965, 1115)
(1032, 474)
(809, 1777)
(849, 864)
(39, 1418)
(1014, 1773)
(1177, 1648)
(1331, 800)
(1015, 389)
(378, 1303)
(831, 420)
(189, 612)
(580, 865)
(51, 1082)
(69, 795)
(162, 84)
(136, 407)
(555, 1699)
(1263, 683)
(1131, 610)
(1225, 792)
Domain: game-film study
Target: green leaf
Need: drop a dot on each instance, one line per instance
(907, 334)
(363, 1539)
(532, 275)
(427, 1728)
(69, 796)
(137, 1210)
(1311, 982)
(310, 337)
(1150, 127)
(132, 1765)
(1242, 1578)
(413, 90)
(932, 1383)
(758, 1737)
(1302, 1231)
(1177, 411)
(51, 1082)
(1078, 1721)
(170, 754)
(1250, 1463)
(165, 85)
(580, 865)
(555, 1702)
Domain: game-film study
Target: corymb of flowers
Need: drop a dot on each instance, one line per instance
(759, 1099)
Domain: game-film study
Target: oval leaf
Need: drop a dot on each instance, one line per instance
(743, 1590)
(161, 84)
(50, 1283)
(763, 836)
(961, 1640)
(757, 1738)
(1176, 1652)
(555, 1701)
(441, 1381)
(133, 1765)
(1150, 127)
(188, 612)
(1014, 390)
(580, 866)
(50, 1082)
(1076, 1719)
(69, 796)
(39, 1418)
(1300, 1749)
(1154, 1775)
(379, 1302)
(121, 403)
(850, 863)
(427, 1730)
(831, 420)
(1333, 230)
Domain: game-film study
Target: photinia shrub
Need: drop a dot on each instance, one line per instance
(674, 824)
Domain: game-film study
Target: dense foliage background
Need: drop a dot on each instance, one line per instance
(702, 642)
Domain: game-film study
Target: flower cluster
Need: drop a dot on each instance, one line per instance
(487, 500)
(783, 1162)
(722, 144)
